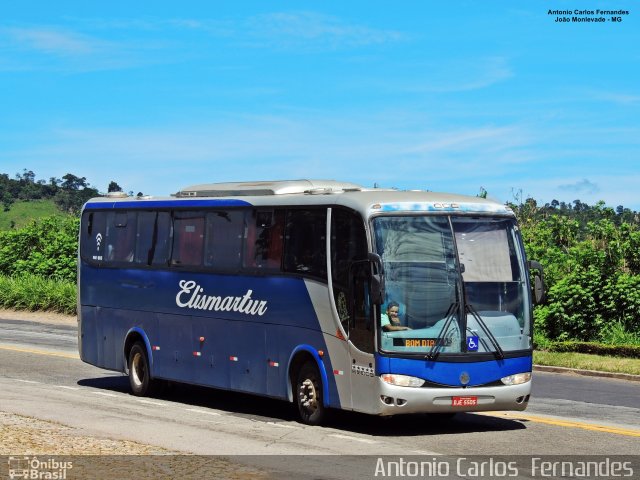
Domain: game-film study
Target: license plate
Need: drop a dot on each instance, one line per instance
(464, 401)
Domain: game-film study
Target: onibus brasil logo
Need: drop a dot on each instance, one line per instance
(35, 468)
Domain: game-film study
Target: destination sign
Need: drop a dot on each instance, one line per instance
(421, 342)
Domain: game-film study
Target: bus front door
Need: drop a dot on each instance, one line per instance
(361, 341)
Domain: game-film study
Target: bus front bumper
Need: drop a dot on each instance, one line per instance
(395, 400)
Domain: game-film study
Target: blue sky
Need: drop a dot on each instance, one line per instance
(445, 96)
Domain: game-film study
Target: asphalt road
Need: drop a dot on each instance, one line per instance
(41, 376)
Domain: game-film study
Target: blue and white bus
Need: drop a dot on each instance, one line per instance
(284, 289)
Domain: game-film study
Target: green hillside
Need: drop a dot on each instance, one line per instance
(24, 211)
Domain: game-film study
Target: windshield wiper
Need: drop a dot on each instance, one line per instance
(435, 348)
(498, 350)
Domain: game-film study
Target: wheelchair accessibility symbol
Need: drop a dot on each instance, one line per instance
(472, 344)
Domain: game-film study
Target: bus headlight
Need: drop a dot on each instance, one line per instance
(516, 379)
(402, 380)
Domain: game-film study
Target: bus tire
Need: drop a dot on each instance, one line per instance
(139, 371)
(308, 395)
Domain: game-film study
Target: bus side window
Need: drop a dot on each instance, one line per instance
(188, 239)
(224, 239)
(265, 238)
(162, 243)
(92, 236)
(305, 242)
(153, 238)
(121, 236)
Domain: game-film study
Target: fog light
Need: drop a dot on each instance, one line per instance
(517, 379)
(402, 380)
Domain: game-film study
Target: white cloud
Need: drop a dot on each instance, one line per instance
(614, 189)
(619, 98)
(51, 41)
(463, 74)
(298, 29)
(486, 139)
(476, 74)
(582, 186)
(57, 49)
(315, 30)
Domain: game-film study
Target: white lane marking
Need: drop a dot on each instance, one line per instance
(282, 425)
(105, 394)
(149, 402)
(355, 439)
(67, 388)
(25, 381)
(195, 410)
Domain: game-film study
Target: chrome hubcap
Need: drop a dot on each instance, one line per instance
(308, 397)
(137, 369)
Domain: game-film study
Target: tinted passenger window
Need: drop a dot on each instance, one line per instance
(94, 229)
(225, 231)
(348, 243)
(188, 239)
(265, 238)
(121, 236)
(305, 242)
(153, 238)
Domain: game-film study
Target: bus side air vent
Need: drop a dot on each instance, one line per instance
(266, 188)
(117, 195)
(320, 191)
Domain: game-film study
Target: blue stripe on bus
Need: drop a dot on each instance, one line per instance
(144, 204)
(448, 373)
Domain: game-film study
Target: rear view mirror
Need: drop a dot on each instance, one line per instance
(377, 279)
(539, 294)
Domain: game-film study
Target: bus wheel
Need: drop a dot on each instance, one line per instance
(308, 395)
(139, 377)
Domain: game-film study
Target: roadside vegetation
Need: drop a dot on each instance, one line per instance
(33, 292)
(38, 265)
(583, 361)
(591, 256)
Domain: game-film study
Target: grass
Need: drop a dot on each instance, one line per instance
(585, 361)
(32, 292)
(23, 212)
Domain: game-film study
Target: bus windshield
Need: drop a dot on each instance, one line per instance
(453, 285)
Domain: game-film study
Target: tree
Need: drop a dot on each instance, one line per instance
(75, 191)
(71, 182)
(27, 176)
(114, 187)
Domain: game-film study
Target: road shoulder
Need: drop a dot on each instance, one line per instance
(39, 317)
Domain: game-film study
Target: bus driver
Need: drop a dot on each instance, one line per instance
(391, 321)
